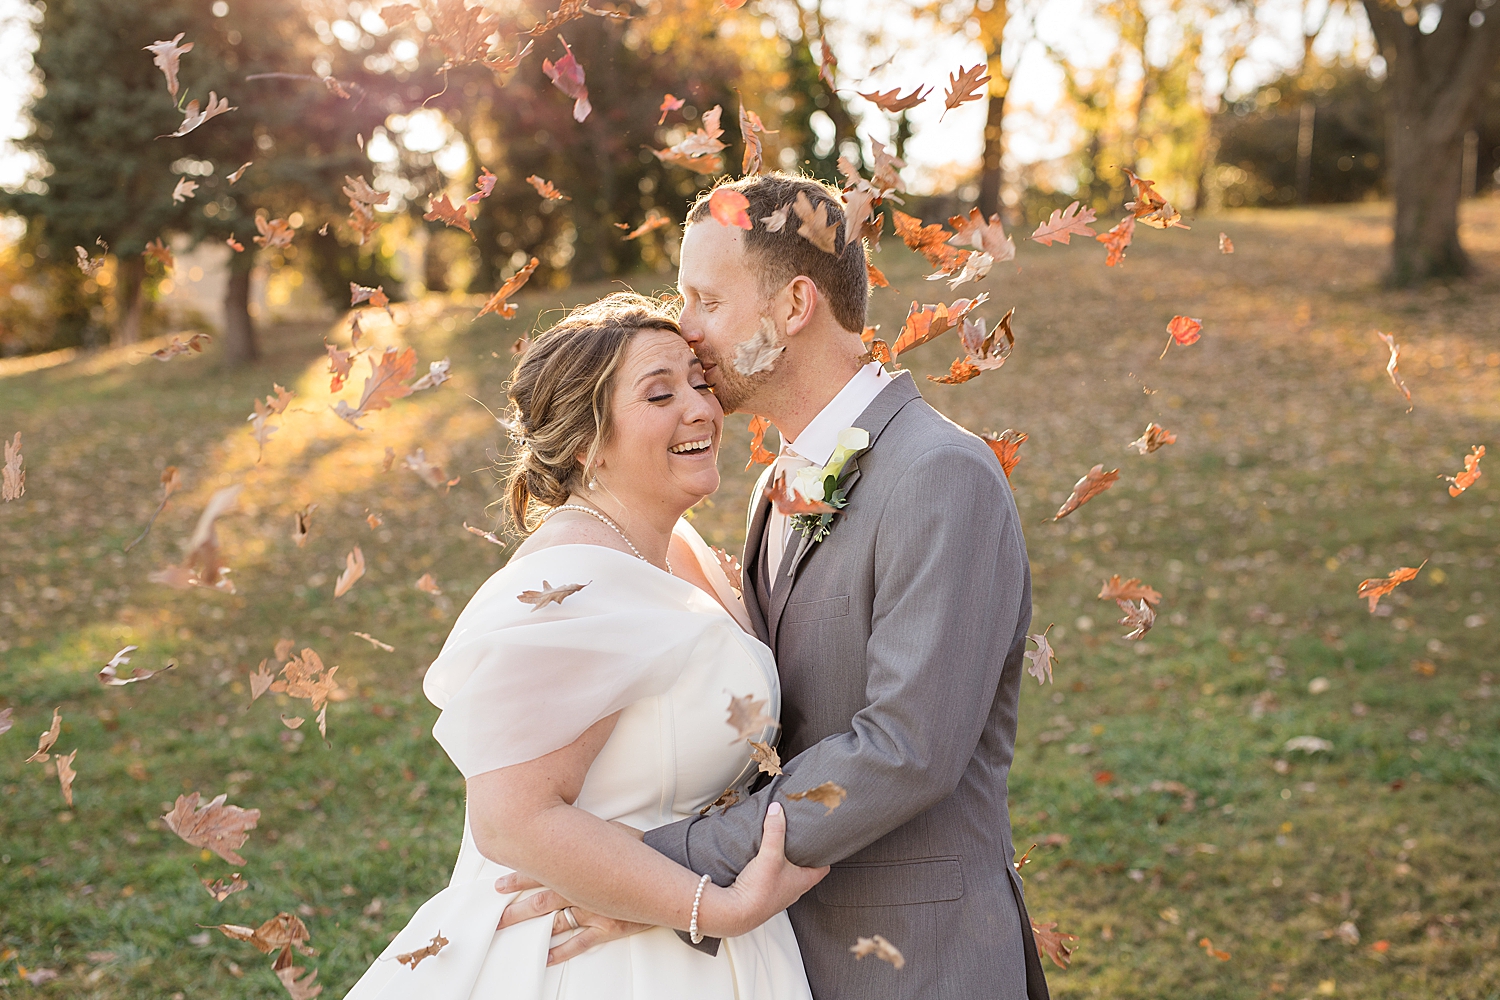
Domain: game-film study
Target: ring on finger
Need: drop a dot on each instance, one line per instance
(568, 916)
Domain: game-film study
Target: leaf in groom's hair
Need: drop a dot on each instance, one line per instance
(1042, 658)
(760, 351)
(1053, 943)
(828, 794)
(413, 958)
(747, 717)
(758, 453)
(549, 594)
(880, 948)
(766, 757)
(816, 227)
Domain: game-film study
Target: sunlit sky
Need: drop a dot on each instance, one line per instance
(879, 34)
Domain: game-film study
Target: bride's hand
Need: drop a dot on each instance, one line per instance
(769, 884)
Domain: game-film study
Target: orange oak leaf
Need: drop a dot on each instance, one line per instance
(1094, 482)
(876, 276)
(497, 303)
(655, 219)
(727, 207)
(1155, 436)
(1065, 223)
(567, 76)
(880, 948)
(1150, 207)
(160, 253)
(668, 105)
(1226, 245)
(747, 717)
(543, 188)
(427, 585)
(731, 567)
(988, 237)
(282, 933)
(414, 958)
(1042, 657)
(167, 56)
(484, 186)
(1374, 589)
(234, 244)
(363, 199)
(930, 241)
(109, 675)
(1116, 589)
(444, 211)
(983, 352)
(1140, 617)
(1390, 366)
(539, 599)
(751, 129)
(1183, 330)
(923, 323)
(758, 453)
(1117, 239)
(215, 826)
(354, 568)
(66, 774)
(47, 739)
(1053, 943)
(894, 101)
(791, 503)
(383, 385)
(767, 760)
(959, 372)
(964, 86)
(816, 227)
(1470, 475)
(829, 795)
(1007, 447)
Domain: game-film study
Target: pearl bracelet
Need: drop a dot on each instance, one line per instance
(693, 933)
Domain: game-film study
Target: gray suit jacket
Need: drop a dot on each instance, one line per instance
(899, 640)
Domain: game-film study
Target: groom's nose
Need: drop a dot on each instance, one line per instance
(690, 330)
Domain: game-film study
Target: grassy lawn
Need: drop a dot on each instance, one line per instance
(1153, 774)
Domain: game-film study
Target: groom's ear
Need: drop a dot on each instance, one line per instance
(798, 302)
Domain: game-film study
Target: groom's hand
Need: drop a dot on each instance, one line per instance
(593, 929)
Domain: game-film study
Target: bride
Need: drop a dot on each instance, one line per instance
(584, 692)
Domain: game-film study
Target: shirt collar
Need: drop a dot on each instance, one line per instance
(820, 436)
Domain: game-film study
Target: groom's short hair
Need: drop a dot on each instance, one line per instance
(842, 278)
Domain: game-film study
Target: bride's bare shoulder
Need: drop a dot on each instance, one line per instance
(570, 528)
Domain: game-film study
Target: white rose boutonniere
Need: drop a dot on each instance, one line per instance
(826, 485)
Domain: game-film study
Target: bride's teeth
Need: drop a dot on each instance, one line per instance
(689, 446)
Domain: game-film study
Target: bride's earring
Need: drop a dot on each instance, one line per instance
(593, 483)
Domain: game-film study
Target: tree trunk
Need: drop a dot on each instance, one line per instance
(239, 330)
(1435, 82)
(130, 273)
(990, 173)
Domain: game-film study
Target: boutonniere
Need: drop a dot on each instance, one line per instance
(815, 493)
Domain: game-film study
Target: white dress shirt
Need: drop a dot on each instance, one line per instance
(816, 443)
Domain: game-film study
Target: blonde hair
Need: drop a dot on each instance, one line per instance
(560, 397)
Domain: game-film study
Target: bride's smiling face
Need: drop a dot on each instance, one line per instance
(666, 424)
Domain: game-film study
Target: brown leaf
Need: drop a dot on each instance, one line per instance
(760, 351)
(1466, 478)
(261, 681)
(751, 129)
(988, 237)
(488, 536)
(958, 373)
(202, 567)
(363, 199)
(432, 475)
(765, 757)
(281, 933)
(731, 568)
(382, 386)
(109, 674)
(221, 890)
(273, 232)
(655, 219)
(239, 171)
(293, 722)
(930, 241)
(220, 828)
(304, 676)
(1226, 245)
(1374, 589)
(1053, 943)
(791, 503)
(47, 739)
(747, 717)
(549, 594)
(964, 86)
(13, 475)
(354, 568)
(816, 228)
(1007, 447)
(758, 453)
(1390, 367)
(302, 523)
(1094, 482)
(444, 211)
(880, 948)
(876, 276)
(159, 252)
(1150, 207)
(66, 774)
(363, 293)
(1117, 239)
(414, 958)
(1184, 330)
(193, 116)
(891, 102)
(1140, 617)
(260, 429)
(1063, 224)
(543, 188)
(427, 585)
(727, 798)
(484, 186)
(497, 303)
(567, 76)
(1154, 437)
(828, 795)
(167, 56)
(1041, 658)
(367, 637)
(1116, 589)
(923, 323)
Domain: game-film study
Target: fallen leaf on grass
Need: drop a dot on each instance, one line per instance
(747, 717)
(427, 585)
(760, 351)
(1390, 366)
(1208, 946)
(109, 674)
(221, 890)
(1094, 482)
(758, 453)
(1053, 943)
(1063, 224)
(1154, 437)
(215, 826)
(1140, 617)
(1116, 589)
(414, 958)
(367, 637)
(497, 303)
(66, 774)
(1183, 330)
(1469, 476)
(382, 386)
(880, 948)
(829, 795)
(539, 599)
(354, 568)
(1007, 447)
(1374, 589)
(766, 758)
(1042, 657)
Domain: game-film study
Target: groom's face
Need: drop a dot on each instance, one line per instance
(722, 305)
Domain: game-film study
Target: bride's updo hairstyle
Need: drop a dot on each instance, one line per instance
(560, 399)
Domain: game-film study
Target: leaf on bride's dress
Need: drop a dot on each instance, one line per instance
(414, 958)
(880, 948)
(1053, 943)
(549, 594)
(828, 794)
(747, 717)
(221, 828)
(766, 757)
(221, 890)
(727, 798)
(1041, 659)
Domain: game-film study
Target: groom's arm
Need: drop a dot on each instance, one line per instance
(951, 575)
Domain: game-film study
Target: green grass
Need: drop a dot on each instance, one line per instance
(1297, 474)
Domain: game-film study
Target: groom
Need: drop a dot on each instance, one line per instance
(898, 637)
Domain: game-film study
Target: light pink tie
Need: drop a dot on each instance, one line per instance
(780, 526)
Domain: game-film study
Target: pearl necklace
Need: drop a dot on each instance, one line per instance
(611, 522)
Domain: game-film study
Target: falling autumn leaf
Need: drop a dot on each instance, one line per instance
(234, 244)
(759, 352)
(1226, 245)
(65, 775)
(758, 453)
(109, 674)
(815, 227)
(7, 719)
(488, 536)
(221, 890)
(413, 958)
(240, 172)
(13, 475)
(876, 276)
(1140, 617)
(1183, 330)
(354, 568)
(273, 232)
(454, 216)
(260, 681)
(923, 323)
(497, 303)
(747, 717)
(367, 637)
(302, 523)
(751, 129)
(47, 739)
(931, 241)
(545, 189)
(727, 207)
(437, 374)
(776, 221)
(281, 933)
(1116, 589)
(193, 116)
(1065, 223)
(184, 190)
(733, 572)
(791, 503)
(484, 186)
(655, 219)
(964, 86)
(975, 267)
(767, 760)
(159, 252)
(1150, 207)
(699, 152)
(433, 475)
(880, 948)
(567, 76)
(1094, 482)
(727, 798)
(828, 794)
(1154, 437)
(1464, 479)
(91, 266)
(986, 236)
(193, 345)
(1390, 367)
(294, 722)
(1117, 239)
(1374, 589)
(1208, 946)
(1042, 657)
(215, 826)
(427, 585)
(668, 105)
(382, 386)
(1007, 447)
(895, 102)
(958, 373)
(539, 599)
(201, 567)
(1052, 943)
(167, 56)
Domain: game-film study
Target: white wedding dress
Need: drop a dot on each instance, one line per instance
(515, 683)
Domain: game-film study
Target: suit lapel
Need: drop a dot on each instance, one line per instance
(753, 556)
(874, 419)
